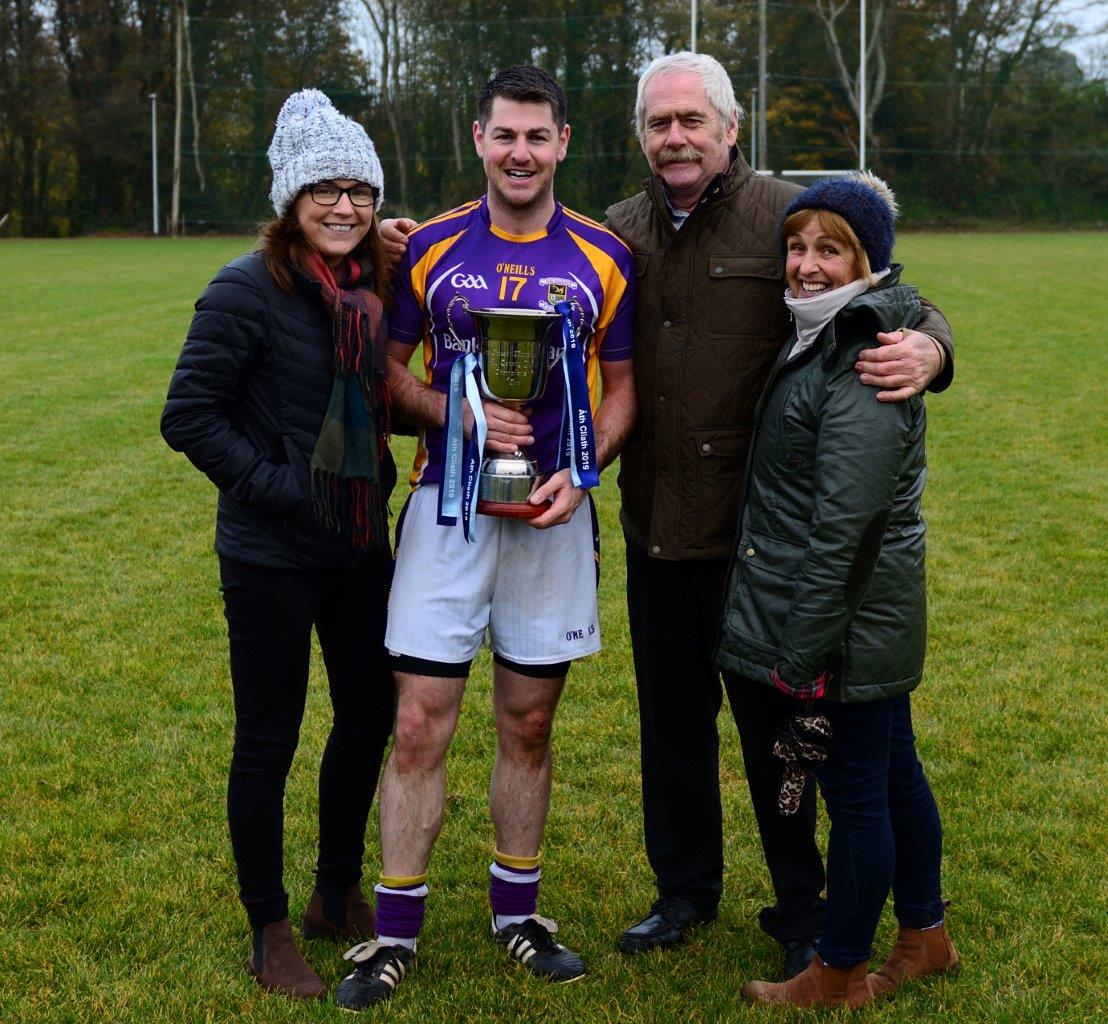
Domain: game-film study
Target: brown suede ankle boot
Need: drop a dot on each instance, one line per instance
(352, 922)
(916, 954)
(277, 965)
(816, 985)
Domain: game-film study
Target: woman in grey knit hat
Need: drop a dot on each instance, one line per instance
(279, 396)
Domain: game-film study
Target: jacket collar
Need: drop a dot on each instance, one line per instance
(721, 187)
(301, 281)
(889, 304)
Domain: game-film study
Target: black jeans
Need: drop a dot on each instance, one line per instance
(673, 610)
(270, 614)
(885, 829)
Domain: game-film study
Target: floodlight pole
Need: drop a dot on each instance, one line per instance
(754, 128)
(154, 154)
(862, 90)
(692, 29)
(761, 82)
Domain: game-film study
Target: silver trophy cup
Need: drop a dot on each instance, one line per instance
(515, 350)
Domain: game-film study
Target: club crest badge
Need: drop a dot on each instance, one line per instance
(557, 290)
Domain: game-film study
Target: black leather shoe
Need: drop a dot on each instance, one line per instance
(798, 955)
(664, 926)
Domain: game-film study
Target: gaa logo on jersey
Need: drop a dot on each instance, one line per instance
(557, 288)
(474, 282)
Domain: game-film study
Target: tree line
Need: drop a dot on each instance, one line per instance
(975, 109)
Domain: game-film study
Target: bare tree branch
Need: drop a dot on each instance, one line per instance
(829, 12)
(192, 93)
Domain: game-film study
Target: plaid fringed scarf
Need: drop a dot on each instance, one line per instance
(346, 463)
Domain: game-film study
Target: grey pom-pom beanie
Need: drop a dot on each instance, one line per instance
(314, 142)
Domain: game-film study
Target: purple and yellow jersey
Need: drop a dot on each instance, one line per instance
(462, 253)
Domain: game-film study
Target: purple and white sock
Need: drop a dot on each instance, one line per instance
(400, 912)
(513, 893)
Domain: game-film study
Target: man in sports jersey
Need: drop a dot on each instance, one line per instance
(530, 583)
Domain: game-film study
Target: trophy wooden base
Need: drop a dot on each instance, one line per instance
(511, 509)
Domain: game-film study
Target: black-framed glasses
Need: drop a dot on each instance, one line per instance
(327, 194)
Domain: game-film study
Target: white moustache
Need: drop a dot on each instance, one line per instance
(681, 155)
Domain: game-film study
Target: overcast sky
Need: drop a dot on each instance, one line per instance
(1090, 17)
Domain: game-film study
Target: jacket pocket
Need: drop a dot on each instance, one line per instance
(720, 458)
(762, 583)
(772, 554)
(745, 297)
(300, 512)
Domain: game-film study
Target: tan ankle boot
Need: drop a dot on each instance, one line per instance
(282, 968)
(357, 923)
(817, 985)
(916, 953)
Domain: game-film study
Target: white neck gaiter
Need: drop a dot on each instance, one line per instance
(812, 315)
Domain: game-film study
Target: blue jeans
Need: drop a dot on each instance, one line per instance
(885, 828)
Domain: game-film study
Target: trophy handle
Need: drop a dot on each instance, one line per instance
(449, 322)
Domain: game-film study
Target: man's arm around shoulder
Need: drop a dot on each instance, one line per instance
(908, 362)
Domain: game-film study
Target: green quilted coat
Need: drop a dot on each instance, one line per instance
(828, 569)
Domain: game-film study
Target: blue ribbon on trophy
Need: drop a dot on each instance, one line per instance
(461, 460)
(580, 438)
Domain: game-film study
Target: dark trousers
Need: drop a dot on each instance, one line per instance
(885, 829)
(673, 610)
(270, 614)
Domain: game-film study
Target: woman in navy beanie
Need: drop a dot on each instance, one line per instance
(826, 598)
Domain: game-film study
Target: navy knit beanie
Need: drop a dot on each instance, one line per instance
(865, 202)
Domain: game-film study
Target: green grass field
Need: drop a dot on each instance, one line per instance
(117, 891)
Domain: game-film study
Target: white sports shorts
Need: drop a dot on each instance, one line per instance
(534, 591)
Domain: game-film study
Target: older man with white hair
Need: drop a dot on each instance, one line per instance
(709, 323)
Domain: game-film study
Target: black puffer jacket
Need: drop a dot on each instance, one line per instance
(828, 572)
(246, 403)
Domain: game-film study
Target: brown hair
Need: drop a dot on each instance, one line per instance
(835, 227)
(523, 83)
(281, 241)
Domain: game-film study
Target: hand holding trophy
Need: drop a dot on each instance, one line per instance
(516, 349)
